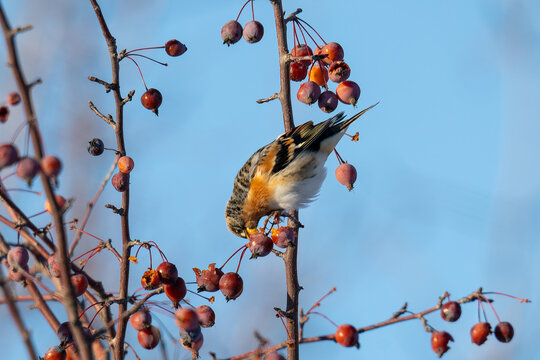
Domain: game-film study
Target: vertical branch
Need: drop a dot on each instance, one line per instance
(291, 254)
(69, 298)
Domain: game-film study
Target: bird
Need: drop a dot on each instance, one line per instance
(284, 174)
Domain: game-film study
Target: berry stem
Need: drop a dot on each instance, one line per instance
(230, 257)
(481, 306)
(491, 306)
(149, 58)
(240, 261)
(210, 299)
(24, 190)
(163, 257)
(73, 227)
(324, 316)
(252, 11)
(140, 72)
(311, 27)
(18, 131)
(145, 48)
(508, 295)
(302, 29)
(318, 303)
(339, 158)
(242, 9)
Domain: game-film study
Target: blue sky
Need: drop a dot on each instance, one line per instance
(448, 189)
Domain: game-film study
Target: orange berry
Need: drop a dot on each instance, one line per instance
(125, 164)
(318, 74)
(60, 201)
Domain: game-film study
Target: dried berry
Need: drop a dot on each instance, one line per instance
(346, 175)
(208, 280)
(175, 48)
(439, 342)
(480, 332)
(18, 255)
(231, 32)
(51, 166)
(283, 237)
(328, 101)
(253, 31)
(13, 99)
(16, 275)
(259, 244)
(54, 266)
(27, 169)
(4, 114)
(125, 164)
(120, 181)
(8, 155)
(96, 147)
(451, 311)
(206, 315)
(194, 346)
(150, 280)
(346, 335)
(504, 332)
(308, 92)
(64, 333)
(231, 285)
(141, 320)
(339, 71)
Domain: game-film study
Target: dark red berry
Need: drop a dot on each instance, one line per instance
(253, 31)
(55, 352)
(308, 92)
(8, 155)
(16, 274)
(231, 285)
(298, 71)
(504, 332)
(480, 332)
(60, 202)
(187, 319)
(167, 272)
(339, 71)
(259, 244)
(283, 237)
(208, 280)
(14, 98)
(125, 164)
(151, 100)
(346, 175)
(302, 50)
(4, 114)
(439, 342)
(149, 338)
(175, 48)
(141, 320)
(51, 166)
(273, 356)
(328, 101)
(176, 291)
(150, 280)
(346, 335)
(18, 255)
(231, 32)
(120, 181)
(27, 168)
(80, 283)
(96, 147)
(206, 315)
(64, 333)
(451, 311)
(187, 338)
(334, 52)
(348, 92)
(194, 346)
(54, 266)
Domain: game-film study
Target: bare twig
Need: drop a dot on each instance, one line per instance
(108, 119)
(108, 87)
(268, 99)
(292, 15)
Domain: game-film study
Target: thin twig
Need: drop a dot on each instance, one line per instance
(268, 99)
(108, 119)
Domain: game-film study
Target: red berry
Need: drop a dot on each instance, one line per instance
(27, 168)
(167, 272)
(64, 333)
(8, 155)
(14, 98)
(259, 244)
(206, 315)
(302, 50)
(308, 92)
(346, 175)
(149, 338)
(4, 114)
(504, 332)
(175, 48)
(318, 74)
(151, 100)
(80, 283)
(283, 236)
(208, 280)
(339, 71)
(346, 335)
(348, 92)
(176, 291)
(253, 31)
(231, 285)
(150, 280)
(120, 181)
(54, 266)
(334, 52)
(96, 147)
(60, 202)
(141, 320)
(451, 311)
(187, 319)
(194, 346)
(480, 332)
(439, 342)
(125, 164)
(298, 71)
(55, 353)
(16, 274)
(328, 101)
(273, 356)
(18, 255)
(231, 32)
(51, 165)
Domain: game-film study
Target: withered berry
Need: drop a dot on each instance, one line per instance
(208, 280)
(175, 48)
(439, 342)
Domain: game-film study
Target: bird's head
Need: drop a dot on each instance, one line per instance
(237, 226)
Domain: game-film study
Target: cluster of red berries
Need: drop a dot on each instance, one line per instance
(252, 32)
(166, 275)
(230, 284)
(12, 100)
(148, 335)
(190, 322)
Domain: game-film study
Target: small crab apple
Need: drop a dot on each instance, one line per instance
(27, 168)
(346, 175)
(167, 272)
(54, 266)
(14, 98)
(346, 335)
(120, 181)
(4, 114)
(96, 147)
(451, 311)
(141, 320)
(175, 48)
(231, 285)
(318, 74)
(328, 101)
(150, 280)
(308, 92)
(51, 166)
(151, 99)
(504, 332)
(298, 71)
(207, 317)
(18, 255)
(339, 71)
(64, 333)
(16, 275)
(125, 164)
(439, 342)
(231, 32)
(194, 346)
(334, 52)
(253, 31)
(259, 244)
(302, 50)
(80, 283)
(283, 236)
(149, 338)
(176, 291)
(348, 92)
(8, 155)
(60, 201)
(273, 356)
(480, 332)
(187, 319)
(55, 352)
(208, 280)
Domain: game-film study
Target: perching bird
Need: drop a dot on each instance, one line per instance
(285, 174)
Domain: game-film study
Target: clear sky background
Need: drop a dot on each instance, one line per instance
(448, 189)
